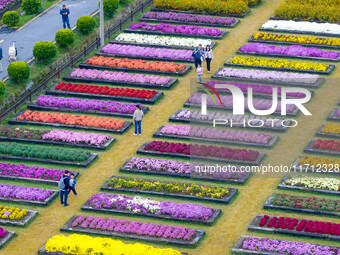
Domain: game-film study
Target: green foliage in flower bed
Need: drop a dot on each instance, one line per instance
(44, 50)
(24, 133)
(109, 6)
(41, 152)
(11, 18)
(86, 24)
(31, 6)
(64, 37)
(2, 88)
(18, 70)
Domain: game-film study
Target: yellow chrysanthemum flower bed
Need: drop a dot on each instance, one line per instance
(14, 213)
(332, 128)
(262, 36)
(87, 245)
(320, 162)
(252, 61)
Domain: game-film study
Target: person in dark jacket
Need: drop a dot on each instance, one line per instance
(1, 57)
(64, 12)
(198, 55)
(64, 186)
(72, 185)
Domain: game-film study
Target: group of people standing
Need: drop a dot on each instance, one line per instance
(200, 55)
(66, 184)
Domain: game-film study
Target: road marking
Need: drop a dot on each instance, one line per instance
(5, 79)
(2, 41)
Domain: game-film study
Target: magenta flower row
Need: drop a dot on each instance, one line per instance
(25, 193)
(3, 232)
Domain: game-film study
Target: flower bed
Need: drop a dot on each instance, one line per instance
(304, 40)
(279, 65)
(266, 246)
(100, 107)
(217, 135)
(5, 236)
(295, 227)
(135, 65)
(175, 168)
(120, 78)
(31, 173)
(172, 189)
(178, 30)
(12, 216)
(148, 53)
(293, 51)
(117, 203)
(56, 119)
(320, 146)
(304, 204)
(316, 164)
(134, 230)
(334, 115)
(193, 116)
(5, 3)
(26, 195)
(55, 137)
(190, 19)
(302, 27)
(260, 104)
(158, 41)
(272, 77)
(202, 152)
(329, 130)
(105, 92)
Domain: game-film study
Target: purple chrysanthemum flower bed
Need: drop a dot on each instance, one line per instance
(5, 3)
(25, 193)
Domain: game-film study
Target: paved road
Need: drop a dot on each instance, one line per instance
(42, 29)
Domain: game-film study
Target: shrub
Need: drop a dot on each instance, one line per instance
(11, 18)
(31, 6)
(2, 88)
(18, 70)
(86, 24)
(64, 37)
(109, 6)
(44, 50)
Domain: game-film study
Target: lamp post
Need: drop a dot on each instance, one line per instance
(101, 29)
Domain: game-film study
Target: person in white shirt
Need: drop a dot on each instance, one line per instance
(138, 116)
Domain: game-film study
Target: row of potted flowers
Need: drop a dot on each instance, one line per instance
(317, 163)
(12, 213)
(322, 183)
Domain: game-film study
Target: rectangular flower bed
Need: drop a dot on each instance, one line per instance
(120, 78)
(202, 152)
(295, 227)
(140, 206)
(156, 41)
(90, 106)
(260, 104)
(133, 230)
(5, 236)
(56, 137)
(279, 65)
(171, 189)
(269, 77)
(303, 204)
(217, 135)
(266, 246)
(328, 147)
(56, 119)
(105, 92)
(195, 117)
(334, 115)
(135, 66)
(329, 130)
(325, 185)
(26, 195)
(195, 170)
(316, 164)
(13, 216)
(43, 154)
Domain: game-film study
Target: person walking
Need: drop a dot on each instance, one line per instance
(199, 71)
(208, 56)
(138, 116)
(72, 185)
(198, 55)
(1, 57)
(64, 12)
(64, 186)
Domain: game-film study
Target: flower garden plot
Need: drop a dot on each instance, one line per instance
(56, 137)
(36, 174)
(105, 92)
(295, 227)
(228, 155)
(90, 106)
(155, 9)
(259, 104)
(215, 135)
(189, 19)
(43, 154)
(140, 206)
(269, 77)
(334, 115)
(120, 78)
(154, 166)
(324, 185)
(171, 189)
(279, 65)
(5, 236)
(329, 130)
(63, 245)
(134, 230)
(176, 30)
(315, 164)
(195, 117)
(157, 41)
(86, 122)
(328, 147)
(303, 204)
(135, 65)
(266, 246)
(12, 216)
(26, 195)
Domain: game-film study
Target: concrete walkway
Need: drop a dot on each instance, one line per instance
(42, 28)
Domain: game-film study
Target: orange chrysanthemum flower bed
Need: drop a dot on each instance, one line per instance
(135, 64)
(69, 119)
